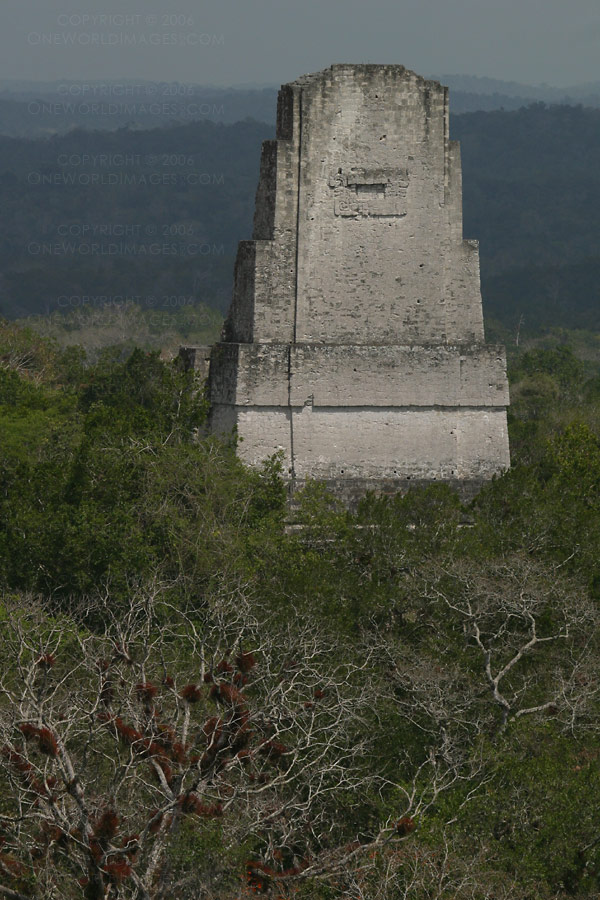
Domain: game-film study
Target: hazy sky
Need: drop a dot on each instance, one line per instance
(273, 41)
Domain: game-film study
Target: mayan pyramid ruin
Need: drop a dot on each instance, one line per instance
(355, 339)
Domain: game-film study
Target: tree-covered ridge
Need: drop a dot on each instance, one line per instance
(418, 715)
(130, 326)
(153, 217)
(530, 196)
(39, 109)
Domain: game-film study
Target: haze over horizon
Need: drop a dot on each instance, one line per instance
(265, 43)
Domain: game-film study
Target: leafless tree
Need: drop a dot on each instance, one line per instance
(529, 637)
(114, 741)
(130, 738)
(132, 741)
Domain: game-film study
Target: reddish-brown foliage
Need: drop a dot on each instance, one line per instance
(255, 865)
(258, 876)
(191, 693)
(405, 825)
(150, 748)
(168, 681)
(227, 694)
(211, 725)
(245, 662)
(273, 750)
(46, 661)
(167, 739)
(96, 851)
(130, 845)
(106, 826)
(47, 742)
(188, 802)
(117, 870)
(191, 803)
(128, 734)
(319, 694)
(178, 752)
(11, 865)
(57, 835)
(28, 730)
(155, 820)
(212, 811)
(25, 769)
(244, 756)
(224, 667)
(146, 691)
(166, 736)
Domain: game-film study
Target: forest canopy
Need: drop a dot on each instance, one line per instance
(400, 701)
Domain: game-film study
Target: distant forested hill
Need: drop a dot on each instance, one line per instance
(154, 217)
(59, 108)
(531, 195)
(145, 217)
(37, 109)
(588, 93)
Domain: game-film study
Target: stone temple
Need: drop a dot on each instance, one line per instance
(355, 340)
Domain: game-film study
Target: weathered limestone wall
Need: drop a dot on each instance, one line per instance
(196, 358)
(297, 375)
(355, 338)
(374, 443)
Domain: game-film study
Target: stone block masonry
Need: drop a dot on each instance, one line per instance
(355, 339)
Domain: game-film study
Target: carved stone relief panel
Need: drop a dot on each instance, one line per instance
(372, 193)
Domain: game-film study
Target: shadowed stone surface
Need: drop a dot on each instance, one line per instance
(355, 340)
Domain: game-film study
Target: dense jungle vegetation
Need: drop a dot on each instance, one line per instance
(197, 701)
